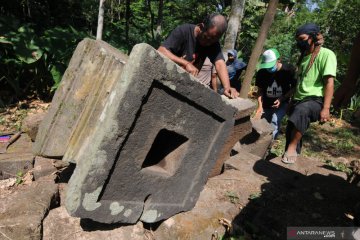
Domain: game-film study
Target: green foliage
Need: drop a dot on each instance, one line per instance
(31, 62)
(338, 20)
(339, 166)
(278, 147)
(37, 39)
(233, 197)
(19, 177)
(250, 25)
(355, 103)
(254, 195)
(343, 24)
(325, 141)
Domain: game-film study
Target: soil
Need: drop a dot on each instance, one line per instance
(310, 192)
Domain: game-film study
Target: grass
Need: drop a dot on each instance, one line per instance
(233, 197)
(325, 141)
(254, 195)
(336, 141)
(19, 177)
(338, 166)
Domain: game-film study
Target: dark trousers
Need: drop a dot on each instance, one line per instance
(301, 114)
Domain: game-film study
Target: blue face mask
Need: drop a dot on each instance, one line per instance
(272, 70)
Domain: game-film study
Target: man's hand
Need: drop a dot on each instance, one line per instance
(231, 92)
(276, 104)
(190, 68)
(324, 115)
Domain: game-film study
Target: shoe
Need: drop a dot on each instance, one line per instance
(289, 158)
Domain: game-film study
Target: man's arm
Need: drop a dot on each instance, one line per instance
(328, 94)
(284, 97)
(259, 109)
(223, 74)
(214, 81)
(188, 66)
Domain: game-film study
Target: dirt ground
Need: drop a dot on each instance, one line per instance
(312, 192)
(307, 193)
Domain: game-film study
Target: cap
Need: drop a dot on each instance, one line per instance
(308, 28)
(269, 58)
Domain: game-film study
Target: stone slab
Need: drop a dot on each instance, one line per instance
(258, 141)
(43, 167)
(83, 92)
(22, 212)
(17, 159)
(236, 162)
(30, 124)
(242, 127)
(155, 143)
(58, 224)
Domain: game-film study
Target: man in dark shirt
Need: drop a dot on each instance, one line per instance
(188, 45)
(276, 83)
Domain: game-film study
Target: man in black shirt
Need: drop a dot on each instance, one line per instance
(276, 83)
(188, 45)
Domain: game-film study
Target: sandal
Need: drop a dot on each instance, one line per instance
(289, 158)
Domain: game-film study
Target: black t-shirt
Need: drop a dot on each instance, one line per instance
(275, 85)
(182, 43)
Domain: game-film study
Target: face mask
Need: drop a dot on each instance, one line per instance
(303, 45)
(272, 70)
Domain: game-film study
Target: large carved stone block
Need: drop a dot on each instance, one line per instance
(82, 94)
(259, 140)
(156, 141)
(242, 127)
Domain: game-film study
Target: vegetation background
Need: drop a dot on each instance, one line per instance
(38, 37)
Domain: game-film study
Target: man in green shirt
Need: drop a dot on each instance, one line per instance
(314, 90)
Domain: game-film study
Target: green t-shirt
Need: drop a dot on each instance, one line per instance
(312, 83)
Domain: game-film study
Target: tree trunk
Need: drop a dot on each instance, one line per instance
(151, 19)
(127, 19)
(118, 10)
(100, 20)
(237, 13)
(159, 19)
(112, 10)
(258, 48)
(353, 70)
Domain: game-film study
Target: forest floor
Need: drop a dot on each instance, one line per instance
(304, 194)
(312, 192)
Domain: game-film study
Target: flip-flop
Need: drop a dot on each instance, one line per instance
(289, 158)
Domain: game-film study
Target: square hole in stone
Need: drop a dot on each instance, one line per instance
(166, 153)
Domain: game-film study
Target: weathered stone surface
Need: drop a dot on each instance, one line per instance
(156, 141)
(259, 140)
(83, 91)
(236, 162)
(30, 124)
(226, 196)
(18, 158)
(43, 167)
(22, 212)
(58, 224)
(242, 127)
(203, 221)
